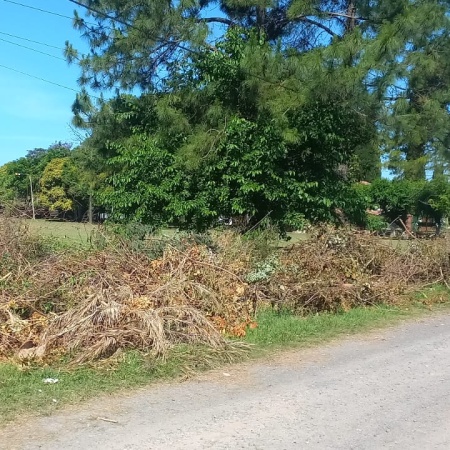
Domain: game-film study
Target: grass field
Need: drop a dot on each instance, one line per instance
(79, 234)
(73, 233)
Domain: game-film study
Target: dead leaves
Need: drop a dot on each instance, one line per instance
(91, 305)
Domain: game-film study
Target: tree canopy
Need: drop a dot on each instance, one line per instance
(256, 107)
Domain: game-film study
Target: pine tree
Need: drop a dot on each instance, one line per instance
(334, 80)
(132, 41)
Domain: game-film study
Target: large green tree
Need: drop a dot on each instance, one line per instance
(217, 144)
(131, 41)
(244, 100)
(418, 122)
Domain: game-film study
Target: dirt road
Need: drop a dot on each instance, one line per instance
(387, 390)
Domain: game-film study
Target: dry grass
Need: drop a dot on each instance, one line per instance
(86, 305)
(91, 304)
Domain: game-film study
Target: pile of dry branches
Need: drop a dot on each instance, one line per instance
(88, 305)
(338, 270)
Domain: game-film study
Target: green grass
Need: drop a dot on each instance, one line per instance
(75, 234)
(68, 233)
(22, 389)
(79, 234)
(283, 329)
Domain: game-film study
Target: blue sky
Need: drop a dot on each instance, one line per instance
(34, 113)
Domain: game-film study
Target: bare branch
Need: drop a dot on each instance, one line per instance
(345, 15)
(306, 19)
(223, 20)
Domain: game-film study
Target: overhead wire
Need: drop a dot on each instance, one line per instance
(30, 40)
(46, 11)
(107, 16)
(38, 78)
(54, 83)
(38, 9)
(45, 80)
(32, 49)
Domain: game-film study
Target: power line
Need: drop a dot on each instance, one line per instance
(32, 49)
(39, 9)
(46, 11)
(114, 19)
(30, 40)
(38, 78)
(44, 80)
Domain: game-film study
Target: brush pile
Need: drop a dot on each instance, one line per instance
(337, 270)
(88, 305)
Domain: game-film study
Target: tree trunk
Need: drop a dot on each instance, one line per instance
(260, 19)
(415, 151)
(350, 23)
(90, 211)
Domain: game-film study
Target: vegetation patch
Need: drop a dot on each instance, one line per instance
(87, 305)
(338, 270)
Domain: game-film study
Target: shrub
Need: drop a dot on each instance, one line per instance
(376, 223)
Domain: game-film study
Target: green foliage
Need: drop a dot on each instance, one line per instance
(249, 174)
(418, 122)
(143, 181)
(353, 201)
(278, 115)
(398, 198)
(376, 223)
(434, 199)
(216, 147)
(15, 182)
(15, 176)
(153, 35)
(53, 193)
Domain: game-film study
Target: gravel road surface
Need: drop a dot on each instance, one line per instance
(389, 389)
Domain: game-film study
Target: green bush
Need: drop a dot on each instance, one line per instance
(376, 223)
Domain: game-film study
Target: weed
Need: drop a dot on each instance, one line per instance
(263, 270)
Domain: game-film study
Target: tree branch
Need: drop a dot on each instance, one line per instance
(315, 23)
(345, 15)
(223, 20)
